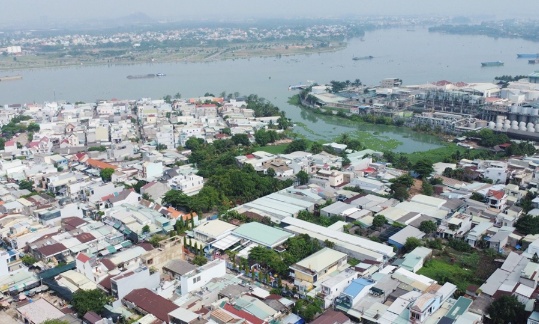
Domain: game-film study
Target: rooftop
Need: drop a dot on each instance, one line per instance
(262, 234)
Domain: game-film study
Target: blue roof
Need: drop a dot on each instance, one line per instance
(356, 286)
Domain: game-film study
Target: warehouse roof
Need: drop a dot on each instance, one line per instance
(262, 234)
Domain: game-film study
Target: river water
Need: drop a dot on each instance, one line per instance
(414, 56)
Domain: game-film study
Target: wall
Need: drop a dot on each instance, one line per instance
(197, 278)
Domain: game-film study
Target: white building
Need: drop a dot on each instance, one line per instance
(199, 277)
(189, 184)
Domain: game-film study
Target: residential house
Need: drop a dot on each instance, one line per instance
(310, 270)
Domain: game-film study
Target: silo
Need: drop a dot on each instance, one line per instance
(499, 126)
(500, 118)
(522, 126)
(514, 124)
(492, 125)
(481, 123)
(531, 128)
(537, 128)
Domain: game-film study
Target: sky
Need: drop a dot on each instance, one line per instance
(19, 12)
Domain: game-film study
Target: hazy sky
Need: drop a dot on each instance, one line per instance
(20, 11)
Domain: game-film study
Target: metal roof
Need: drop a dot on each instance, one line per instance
(262, 234)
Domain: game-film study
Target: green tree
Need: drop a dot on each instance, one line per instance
(423, 168)
(55, 321)
(262, 137)
(428, 227)
(426, 188)
(316, 147)
(412, 243)
(106, 174)
(28, 259)
(177, 199)
(155, 239)
(507, 309)
(379, 221)
(400, 192)
(477, 196)
(26, 184)
(200, 260)
(271, 172)
(89, 300)
(405, 180)
(302, 177)
(242, 139)
(145, 229)
(33, 127)
(296, 145)
(527, 224)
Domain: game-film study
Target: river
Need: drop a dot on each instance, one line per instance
(414, 56)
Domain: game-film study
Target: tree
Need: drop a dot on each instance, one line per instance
(428, 227)
(26, 184)
(271, 172)
(507, 309)
(477, 196)
(160, 147)
(242, 139)
(423, 168)
(354, 144)
(400, 192)
(33, 127)
(89, 300)
(200, 260)
(296, 145)
(527, 224)
(155, 239)
(302, 177)
(177, 199)
(28, 259)
(412, 243)
(379, 221)
(426, 188)
(145, 229)
(316, 148)
(405, 180)
(55, 321)
(106, 174)
(329, 244)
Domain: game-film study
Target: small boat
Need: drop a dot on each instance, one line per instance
(160, 74)
(494, 63)
(534, 61)
(358, 58)
(141, 76)
(528, 55)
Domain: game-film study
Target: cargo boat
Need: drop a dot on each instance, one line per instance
(11, 78)
(534, 61)
(528, 55)
(495, 63)
(142, 76)
(358, 58)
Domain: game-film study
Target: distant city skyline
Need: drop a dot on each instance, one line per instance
(32, 12)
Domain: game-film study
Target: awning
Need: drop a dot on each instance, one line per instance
(226, 242)
(126, 244)
(111, 249)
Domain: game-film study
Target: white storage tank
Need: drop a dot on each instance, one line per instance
(526, 110)
(531, 128)
(535, 112)
(514, 124)
(499, 126)
(471, 125)
(514, 109)
(506, 126)
(537, 128)
(500, 118)
(481, 123)
(522, 126)
(491, 125)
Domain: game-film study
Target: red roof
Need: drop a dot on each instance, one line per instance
(85, 237)
(331, 317)
(442, 83)
(10, 143)
(100, 164)
(498, 194)
(250, 156)
(83, 257)
(369, 170)
(243, 314)
(151, 303)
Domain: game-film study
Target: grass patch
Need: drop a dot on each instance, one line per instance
(376, 142)
(443, 271)
(436, 155)
(273, 149)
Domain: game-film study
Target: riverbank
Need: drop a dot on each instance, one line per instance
(182, 55)
(377, 140)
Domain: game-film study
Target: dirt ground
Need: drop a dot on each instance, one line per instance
(416, 188)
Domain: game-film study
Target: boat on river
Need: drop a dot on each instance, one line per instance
(10, 78)
(528, 55)
(494, 63)
(359, 58)
(141, 76)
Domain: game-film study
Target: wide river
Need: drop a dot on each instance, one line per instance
(414, 56)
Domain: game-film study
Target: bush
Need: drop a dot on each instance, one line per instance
(459, 245)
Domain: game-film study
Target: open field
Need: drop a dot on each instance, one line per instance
(121, 56)
(273, 149)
